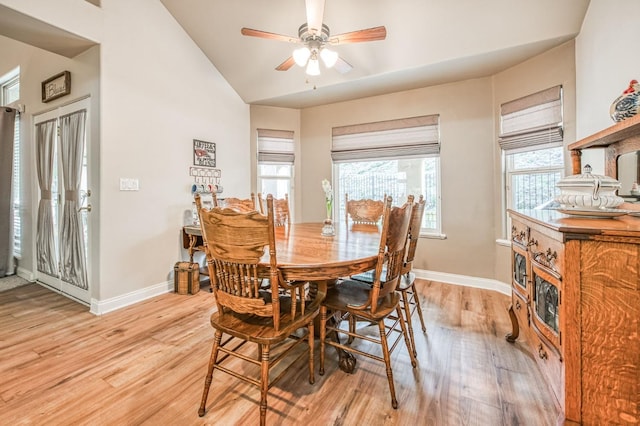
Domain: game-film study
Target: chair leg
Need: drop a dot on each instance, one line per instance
(352, 328)
(264, 383)
(403, 325)
(406, 307)
(212, 362)
(311, 341)
(387, 362)
(416, 299)
(323, 334)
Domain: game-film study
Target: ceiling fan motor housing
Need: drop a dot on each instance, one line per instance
(313, 40)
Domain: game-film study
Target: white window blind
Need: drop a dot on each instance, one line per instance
(532, 120)
(408, 137)
(275, 146)
(17, 231)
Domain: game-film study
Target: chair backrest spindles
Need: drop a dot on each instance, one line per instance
(414, 233)
(235, 242)
(393, 240)
(365, 211)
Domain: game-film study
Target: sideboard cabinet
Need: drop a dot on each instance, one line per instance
(576, 304)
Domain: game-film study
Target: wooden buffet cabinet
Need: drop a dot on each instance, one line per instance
(576, 298)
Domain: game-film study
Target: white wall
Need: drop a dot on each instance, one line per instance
(606, 60)
(158, 93)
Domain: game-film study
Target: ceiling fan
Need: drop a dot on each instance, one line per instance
(314, 36)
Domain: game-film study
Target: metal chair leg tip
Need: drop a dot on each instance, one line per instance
(201, 412)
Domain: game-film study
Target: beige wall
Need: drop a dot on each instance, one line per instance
(557, 66)
(158, 92)
(466, 126)
(471, 163)
(278, 119)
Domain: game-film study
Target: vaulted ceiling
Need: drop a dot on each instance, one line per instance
(428, 42)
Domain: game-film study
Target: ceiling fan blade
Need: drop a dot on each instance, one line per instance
(370, 34)
(342, 66)
(315, 12)
(271, 36)
(288, 63)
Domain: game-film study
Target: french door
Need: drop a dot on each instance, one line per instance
(62, 236)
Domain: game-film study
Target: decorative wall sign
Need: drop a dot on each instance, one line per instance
(204, 153)
(56, 86)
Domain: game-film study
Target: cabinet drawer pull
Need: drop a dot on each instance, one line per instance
(541, 352)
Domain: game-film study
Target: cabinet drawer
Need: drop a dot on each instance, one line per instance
(546, 250)
(550, 365)
(521, 308)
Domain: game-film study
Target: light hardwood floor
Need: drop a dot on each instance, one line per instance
(146, 364)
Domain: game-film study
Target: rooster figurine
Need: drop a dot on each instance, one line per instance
(626, 105)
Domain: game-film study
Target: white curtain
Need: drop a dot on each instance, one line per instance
(73, 263)
(7, 122)
(45, 242)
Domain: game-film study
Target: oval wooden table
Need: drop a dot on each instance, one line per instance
(304, 254)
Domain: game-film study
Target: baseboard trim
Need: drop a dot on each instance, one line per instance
(465, 280)
(26, 274)
(100, 307)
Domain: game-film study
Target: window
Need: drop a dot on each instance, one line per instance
(9, 96)
(275, 163)
(394, 158)
(531, 139)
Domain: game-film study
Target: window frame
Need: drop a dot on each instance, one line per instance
(7, 82)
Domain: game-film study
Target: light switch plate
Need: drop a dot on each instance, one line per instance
(129, 184)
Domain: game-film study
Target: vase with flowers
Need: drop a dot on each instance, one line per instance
(328, 229)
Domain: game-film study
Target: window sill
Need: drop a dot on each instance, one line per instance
(503, 242)
(433, 235)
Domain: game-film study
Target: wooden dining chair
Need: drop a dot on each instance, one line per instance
(281, 212)
(364, 211)
(239, 204)
(409, 301)
(235, 244)
(373, 303)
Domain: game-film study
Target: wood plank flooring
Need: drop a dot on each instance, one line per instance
(145, 364)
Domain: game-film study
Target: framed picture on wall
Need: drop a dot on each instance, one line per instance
(204, 153)
(56, 86)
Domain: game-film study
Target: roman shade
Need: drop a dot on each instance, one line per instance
(407, 137)
(532, 120)
(275, 146)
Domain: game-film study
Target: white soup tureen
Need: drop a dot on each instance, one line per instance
(589, 191)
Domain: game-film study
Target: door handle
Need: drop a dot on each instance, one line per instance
(87, 208)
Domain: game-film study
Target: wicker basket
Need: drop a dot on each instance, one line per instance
(186, 278)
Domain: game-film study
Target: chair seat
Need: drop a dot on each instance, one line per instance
(353, 293)
(259, 329)
(405, 282)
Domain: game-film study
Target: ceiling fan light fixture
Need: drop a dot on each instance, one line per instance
(301, 56)
(313, 67)
(329, 57)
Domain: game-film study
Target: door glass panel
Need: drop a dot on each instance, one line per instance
(546, 302)
(520, 269)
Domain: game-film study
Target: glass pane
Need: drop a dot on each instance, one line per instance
(546, 302)
(274, 170)
(533, 189)
(395, 178)
(519, 269)
(548, 157)
(12, 92)
(276, 187)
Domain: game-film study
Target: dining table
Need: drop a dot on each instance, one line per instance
(304, 254)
